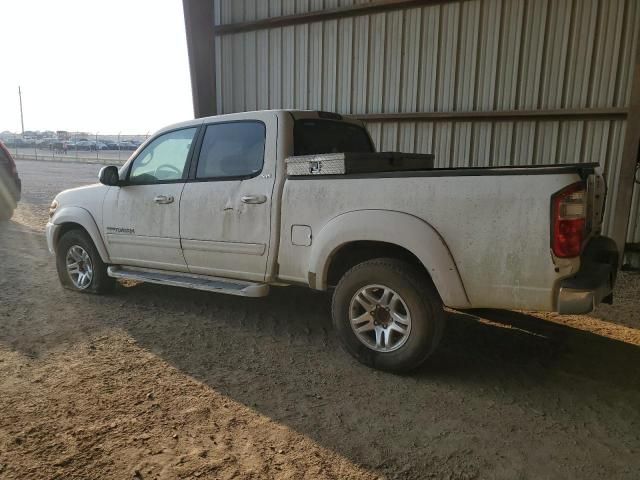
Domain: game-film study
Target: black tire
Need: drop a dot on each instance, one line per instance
(418, 294)
(100, 281)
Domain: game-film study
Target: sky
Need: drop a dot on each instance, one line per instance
(110, 66)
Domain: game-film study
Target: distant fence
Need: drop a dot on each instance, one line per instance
(74, 146)
(105, 157)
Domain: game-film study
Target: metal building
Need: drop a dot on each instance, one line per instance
(477, 82)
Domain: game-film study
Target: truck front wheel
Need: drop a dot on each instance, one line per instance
(79, 265)
(388, 314)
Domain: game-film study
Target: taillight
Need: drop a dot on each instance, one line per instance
(568, 220)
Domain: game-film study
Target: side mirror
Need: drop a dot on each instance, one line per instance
(109, 176)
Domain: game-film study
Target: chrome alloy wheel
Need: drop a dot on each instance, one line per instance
(380, 318)
(79, 267)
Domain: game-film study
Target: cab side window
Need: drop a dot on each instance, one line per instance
(234, 149)
(164, 159)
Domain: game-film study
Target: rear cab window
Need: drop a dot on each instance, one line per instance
(232, 150)
(317, 136)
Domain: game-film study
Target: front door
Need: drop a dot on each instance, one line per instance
(141, 218)
(226, 209)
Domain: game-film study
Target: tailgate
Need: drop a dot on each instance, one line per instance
(596, 196)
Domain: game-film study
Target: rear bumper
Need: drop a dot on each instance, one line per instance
(582, 294)
(594, 282)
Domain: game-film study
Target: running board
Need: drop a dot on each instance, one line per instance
(188, 280)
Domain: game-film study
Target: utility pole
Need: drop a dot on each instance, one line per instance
(21, 115)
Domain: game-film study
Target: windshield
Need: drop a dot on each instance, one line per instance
(312, 136)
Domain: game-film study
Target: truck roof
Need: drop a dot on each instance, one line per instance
(296, 114)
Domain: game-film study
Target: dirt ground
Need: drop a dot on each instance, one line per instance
(159, 382)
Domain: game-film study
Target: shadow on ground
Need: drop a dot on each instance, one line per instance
(500, 381)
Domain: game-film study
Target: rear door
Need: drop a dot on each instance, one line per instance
(226, 205)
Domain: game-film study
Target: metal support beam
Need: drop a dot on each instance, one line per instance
(631, 149)
(375, 6)
(198, 19)
(496, 116)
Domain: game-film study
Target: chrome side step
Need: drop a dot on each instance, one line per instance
(189, 280)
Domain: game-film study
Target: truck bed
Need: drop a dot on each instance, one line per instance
(496, 229)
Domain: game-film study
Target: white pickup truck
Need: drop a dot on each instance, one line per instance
(242, 202)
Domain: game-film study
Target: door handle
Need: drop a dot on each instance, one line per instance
(163, 199)
(254, 199)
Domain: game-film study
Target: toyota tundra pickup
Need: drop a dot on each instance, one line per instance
(244, 202)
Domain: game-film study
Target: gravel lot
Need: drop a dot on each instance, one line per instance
(159, 382)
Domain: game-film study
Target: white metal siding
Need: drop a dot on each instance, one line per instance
(460, 56)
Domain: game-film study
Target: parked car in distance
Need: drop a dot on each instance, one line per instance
(128, 145)
(17, 143)
(85, 145)
(10, 184)
(244, 202)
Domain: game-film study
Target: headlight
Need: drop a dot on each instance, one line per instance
(52, 208)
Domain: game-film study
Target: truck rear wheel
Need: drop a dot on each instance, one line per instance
(79, 265)
(388, 314)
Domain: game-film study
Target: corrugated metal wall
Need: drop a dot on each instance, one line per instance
(461, 56)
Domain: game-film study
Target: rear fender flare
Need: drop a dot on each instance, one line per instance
(401, 229)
